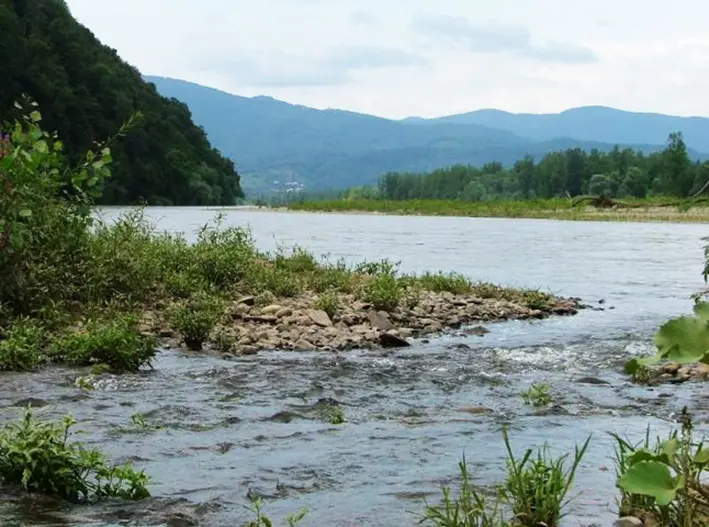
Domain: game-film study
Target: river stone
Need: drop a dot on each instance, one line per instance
(475, 410)
(247, 300)
(271, 310)
(380, 320)
(361, 306)
(478, 331)
(389, 340)
(284, 312)
(628, 521)
(590, 380)
(320, 318)
(303, 345)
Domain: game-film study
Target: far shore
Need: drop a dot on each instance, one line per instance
(518, 210)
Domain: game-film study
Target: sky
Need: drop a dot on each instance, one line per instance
(399, 58)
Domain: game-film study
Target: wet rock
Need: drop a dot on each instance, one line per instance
(247, 300)
(390, 340)
(552, 410)
(478, 331)
(248, 350)
(475, 410)
(670, 367)
(166, 333)
(380, 320)
(320, 318)
(591, 380)
(628, 521)
(30, 401)
(271, 310)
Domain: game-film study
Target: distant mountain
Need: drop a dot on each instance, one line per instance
(278, 145)
(588, 123)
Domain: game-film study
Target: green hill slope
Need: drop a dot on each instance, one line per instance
(85, 92)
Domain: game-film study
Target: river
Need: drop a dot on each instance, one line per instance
(251, 425)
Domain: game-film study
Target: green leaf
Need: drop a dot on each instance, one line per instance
(35, 116)
(702, 457)
(41, 147)
(684, 339)
(25, 213)
(651, 478)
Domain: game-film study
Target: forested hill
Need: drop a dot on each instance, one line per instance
(86, 92)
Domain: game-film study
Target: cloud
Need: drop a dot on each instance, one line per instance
(357, 57)
(561, 52)
(362, 19)
(495, 37)
(279, 69)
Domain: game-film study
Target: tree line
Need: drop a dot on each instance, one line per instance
(86, 92)
(617, 173)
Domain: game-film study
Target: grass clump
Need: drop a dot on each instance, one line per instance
(195, 319)
(535, 491)
(468, 508)
(38, 456)
(115, 343)
(536, 486)
(329, 302)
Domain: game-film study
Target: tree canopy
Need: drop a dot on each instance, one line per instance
(573, 172)
(86, 92)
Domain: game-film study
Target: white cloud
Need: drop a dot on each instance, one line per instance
(397, 58)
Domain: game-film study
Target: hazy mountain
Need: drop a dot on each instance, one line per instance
(588, 123)
(274, 142)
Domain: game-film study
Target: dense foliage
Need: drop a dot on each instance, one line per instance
(86, 92)
(618, 173)
(38, 456)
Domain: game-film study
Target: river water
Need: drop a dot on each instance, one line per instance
(252, 425)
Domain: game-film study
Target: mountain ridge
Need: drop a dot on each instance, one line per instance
(275, 142)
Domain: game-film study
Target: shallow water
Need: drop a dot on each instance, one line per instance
(254, 425)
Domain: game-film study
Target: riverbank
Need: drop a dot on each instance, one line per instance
(142, 289)
(557, 209)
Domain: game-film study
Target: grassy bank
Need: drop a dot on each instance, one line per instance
(560, 209)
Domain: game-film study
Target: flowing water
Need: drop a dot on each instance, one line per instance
(252, 426)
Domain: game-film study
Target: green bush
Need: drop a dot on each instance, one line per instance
(384, 292)
(38, 456)
(21, 346)
(115, 343)
(196, 318)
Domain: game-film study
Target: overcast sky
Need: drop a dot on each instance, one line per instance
(397, 58)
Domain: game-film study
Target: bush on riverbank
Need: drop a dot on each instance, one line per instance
(38, 456)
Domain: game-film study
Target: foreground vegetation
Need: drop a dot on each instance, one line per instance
(648, 209)
(87, 92)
